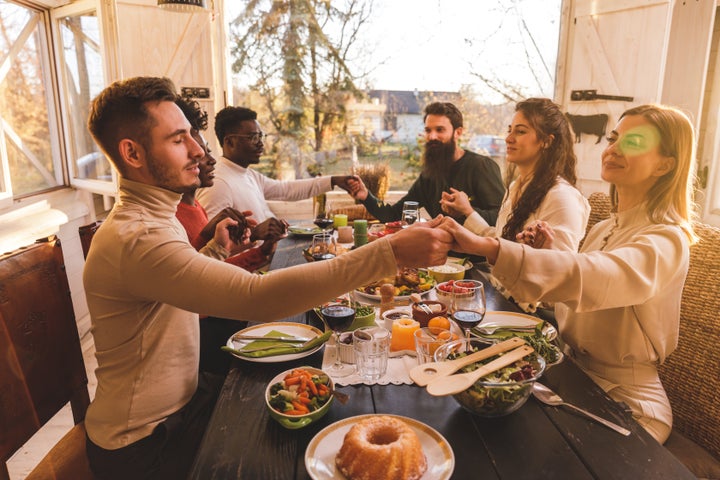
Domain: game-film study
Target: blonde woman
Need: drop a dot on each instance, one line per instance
(618, 300)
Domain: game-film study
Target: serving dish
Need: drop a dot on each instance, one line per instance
(324, 446)
(290, 421)
(499, 393)
(403, 288)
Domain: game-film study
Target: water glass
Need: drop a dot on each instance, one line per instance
(410, 212)
(427, 340)
(371, 346)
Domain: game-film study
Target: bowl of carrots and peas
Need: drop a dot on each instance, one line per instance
(299, 396)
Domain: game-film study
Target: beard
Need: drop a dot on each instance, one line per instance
(166, 178)
(438, 158)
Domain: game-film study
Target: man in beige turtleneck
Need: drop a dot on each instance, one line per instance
(144, 284)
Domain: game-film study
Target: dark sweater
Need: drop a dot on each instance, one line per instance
(474, 174)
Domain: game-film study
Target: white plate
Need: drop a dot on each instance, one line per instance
(322, 449)
(304, 230)
(290, 328)
(399, 298)
(514, 319)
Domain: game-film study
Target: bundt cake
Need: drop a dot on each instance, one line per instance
(381, 448)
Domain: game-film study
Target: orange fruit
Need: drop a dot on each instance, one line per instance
(437, 324)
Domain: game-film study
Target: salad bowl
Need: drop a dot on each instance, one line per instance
(499, 393)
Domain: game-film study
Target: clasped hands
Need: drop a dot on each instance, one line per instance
(237, 231)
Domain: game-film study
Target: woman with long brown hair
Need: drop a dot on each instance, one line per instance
(540, 152)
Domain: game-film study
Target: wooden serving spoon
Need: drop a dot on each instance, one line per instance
(457, 383)
(427, 372)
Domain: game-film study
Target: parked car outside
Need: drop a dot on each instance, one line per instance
(491, 145)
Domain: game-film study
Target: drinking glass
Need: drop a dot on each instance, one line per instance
(467, 304)
(372, 348)
(338, 318)
(322, 219)
(323, 246)
(410, 212)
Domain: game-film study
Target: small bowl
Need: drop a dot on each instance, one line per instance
(389, 316)
(345, 350)
(367, 320)
(439, 309)
(448, 271)
(487, 398)
(293, 422)
(442, 291)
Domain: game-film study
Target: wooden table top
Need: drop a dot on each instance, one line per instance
(536, 441)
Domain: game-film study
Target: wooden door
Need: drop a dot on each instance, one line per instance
(616, 47)
(181, 46)
(708, 196)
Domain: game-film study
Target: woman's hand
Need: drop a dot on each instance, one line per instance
(468, 242)
(455, 203)
(538, 235)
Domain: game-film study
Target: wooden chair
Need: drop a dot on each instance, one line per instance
(600, 209)
(691, 374)
(43, 366)
(86, 233)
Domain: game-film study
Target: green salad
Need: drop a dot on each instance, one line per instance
(502, 391)
(536, 339)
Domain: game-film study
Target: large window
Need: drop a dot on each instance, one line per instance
(81, 65)
(30, 144)
(44, 98)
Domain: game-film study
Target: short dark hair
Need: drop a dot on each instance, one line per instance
(197, 117)
(446, 109)
(120, 111)
(229, 118)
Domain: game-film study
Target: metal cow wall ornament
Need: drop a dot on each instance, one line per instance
(590, 124)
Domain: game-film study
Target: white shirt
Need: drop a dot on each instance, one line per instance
(245, 189)
(564, 208)
(618, 301)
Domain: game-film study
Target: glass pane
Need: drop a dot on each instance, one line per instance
(82, 68)
(23, 101)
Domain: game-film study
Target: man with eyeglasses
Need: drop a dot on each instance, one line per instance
(242, 188)
(445, 165)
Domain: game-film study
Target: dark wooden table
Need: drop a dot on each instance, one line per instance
(536, 441)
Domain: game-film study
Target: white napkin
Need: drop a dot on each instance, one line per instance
(397, 371)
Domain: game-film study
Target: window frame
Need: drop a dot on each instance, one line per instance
(81, 7)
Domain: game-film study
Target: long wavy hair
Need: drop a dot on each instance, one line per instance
(670, 200)
(556, 160)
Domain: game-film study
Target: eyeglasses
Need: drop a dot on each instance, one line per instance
(256, 137)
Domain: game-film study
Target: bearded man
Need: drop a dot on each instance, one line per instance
(445, 165)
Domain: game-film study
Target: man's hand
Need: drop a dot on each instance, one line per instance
(357, 188)
(538, 235)
(237, 230)
(456, 203)
(343, 181)
(224, 237)
(271, 229)
(421, 245)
